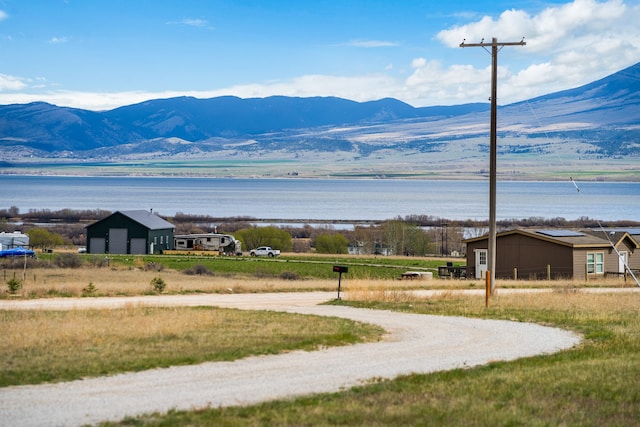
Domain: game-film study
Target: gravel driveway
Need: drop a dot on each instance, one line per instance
(414, 344)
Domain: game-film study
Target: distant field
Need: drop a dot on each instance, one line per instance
(394, 165)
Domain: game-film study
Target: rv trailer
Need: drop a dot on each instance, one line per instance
(224, 243)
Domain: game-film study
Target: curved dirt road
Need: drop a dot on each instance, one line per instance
(415, 344)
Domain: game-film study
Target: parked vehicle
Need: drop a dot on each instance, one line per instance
(224, 243)
(17, 252)
(265, 251)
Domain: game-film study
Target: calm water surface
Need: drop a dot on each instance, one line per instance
(323, 199)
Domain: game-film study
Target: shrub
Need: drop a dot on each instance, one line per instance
(14, 285)
(98, 261)
(152, 266)
(89, 290)
(158, 284)
(198, 269)
(68, 260)
(18, 263)
(289, 275)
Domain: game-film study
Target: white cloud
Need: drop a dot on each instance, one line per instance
(195, 22)
(553, 27)
(58, 40)
(357, 88)
(431, 83)
(96, 101)
(11, 83)
(3, 15)
(192, 22)
(568, 45)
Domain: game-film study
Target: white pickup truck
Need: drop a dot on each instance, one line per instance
(265, 251)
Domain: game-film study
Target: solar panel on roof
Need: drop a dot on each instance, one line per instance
(624, 230)
(631, 230)
(560, 233)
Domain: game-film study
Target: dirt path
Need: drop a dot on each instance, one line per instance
(415, 344)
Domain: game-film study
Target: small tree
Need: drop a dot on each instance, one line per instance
(265, 236)
(14, 285)
(405, 239)
(332, 244)
(158, 284)
(43, 238)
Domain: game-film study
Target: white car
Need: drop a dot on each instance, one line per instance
(265, 251)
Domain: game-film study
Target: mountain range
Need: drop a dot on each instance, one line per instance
(600, 120)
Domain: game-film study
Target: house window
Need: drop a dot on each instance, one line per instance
(483, 258)
(595, 262)
(161, 239)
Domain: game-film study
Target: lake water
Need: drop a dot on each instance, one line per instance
(324, 199)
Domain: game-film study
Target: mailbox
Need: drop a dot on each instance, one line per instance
(340, 269)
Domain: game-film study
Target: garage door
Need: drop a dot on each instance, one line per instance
(117, 240)
(139, 246)
(97, 245)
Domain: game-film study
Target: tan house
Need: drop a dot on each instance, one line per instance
(556, 253)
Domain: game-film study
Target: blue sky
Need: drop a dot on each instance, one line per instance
(99, 54)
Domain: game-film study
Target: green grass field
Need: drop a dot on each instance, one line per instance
(304, 266)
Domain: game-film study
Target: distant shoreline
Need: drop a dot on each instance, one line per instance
(416, 166)
(415, 177)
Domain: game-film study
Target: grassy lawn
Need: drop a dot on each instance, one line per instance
(51, 346)
(595, 384)
(304, 266)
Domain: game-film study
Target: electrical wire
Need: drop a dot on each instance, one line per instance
(620, 257)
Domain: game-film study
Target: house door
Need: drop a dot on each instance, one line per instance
(481, 263)
(623, 261)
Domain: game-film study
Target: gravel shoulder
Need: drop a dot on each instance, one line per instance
(414, 344)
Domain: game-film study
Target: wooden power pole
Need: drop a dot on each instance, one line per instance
(495, 48)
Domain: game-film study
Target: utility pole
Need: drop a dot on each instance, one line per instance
(495, 48)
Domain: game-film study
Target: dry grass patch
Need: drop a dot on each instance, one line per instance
(40, 346)
(122, 281)
(42, 283)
